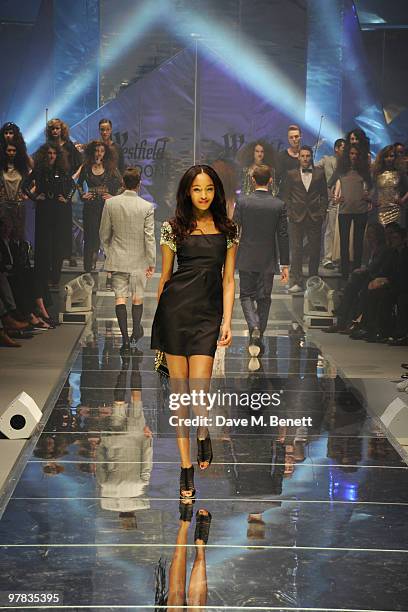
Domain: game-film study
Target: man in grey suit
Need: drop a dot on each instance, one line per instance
(263, 222)
(305, 195)
(127, 236)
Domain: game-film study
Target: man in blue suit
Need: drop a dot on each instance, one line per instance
(263, 223)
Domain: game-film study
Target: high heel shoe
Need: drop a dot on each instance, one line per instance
(186, 511)
(5, 340)
(204, 451)
(202, 528)
(187, 482)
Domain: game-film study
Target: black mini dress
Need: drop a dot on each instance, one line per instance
(189, 313)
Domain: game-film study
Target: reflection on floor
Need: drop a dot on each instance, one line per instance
(301, 517)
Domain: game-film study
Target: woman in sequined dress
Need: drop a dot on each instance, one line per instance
(391, 187)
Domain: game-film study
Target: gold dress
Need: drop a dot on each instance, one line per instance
(388, 192)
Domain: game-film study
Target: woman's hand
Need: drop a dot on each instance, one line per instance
(88, 196)
(106, 196)
(62, 199)
(41, 196)
(226, 335)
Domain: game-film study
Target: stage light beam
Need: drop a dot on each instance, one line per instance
(134, 27)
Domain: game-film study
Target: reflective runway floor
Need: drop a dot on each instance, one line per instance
(302, 517)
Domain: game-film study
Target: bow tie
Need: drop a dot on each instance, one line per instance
(307, 170)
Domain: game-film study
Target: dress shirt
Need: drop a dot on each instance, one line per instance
(306, 177)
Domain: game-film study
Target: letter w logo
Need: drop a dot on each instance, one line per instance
(232, 143)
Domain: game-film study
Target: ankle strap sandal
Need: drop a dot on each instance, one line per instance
(202, 528)
(204, 451)
(187, 482)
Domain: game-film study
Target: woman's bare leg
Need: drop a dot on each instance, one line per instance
(197, 590)
(178, 568)
(200, 370)
(42, 308)
(178, 370)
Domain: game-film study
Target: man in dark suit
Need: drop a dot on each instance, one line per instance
(305, 196)
(262, 220)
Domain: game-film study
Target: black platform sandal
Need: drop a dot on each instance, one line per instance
(202, 528)
(187, 482)
(204, 451)
(186, 511)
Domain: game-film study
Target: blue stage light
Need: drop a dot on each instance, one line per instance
(134, 27)
(254, 69)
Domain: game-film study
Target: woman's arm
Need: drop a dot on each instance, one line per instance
(228, 286)
(167, 267)
(337, 191)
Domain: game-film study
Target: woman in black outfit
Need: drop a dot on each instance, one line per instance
(351, 192)
(194, 300)
(51, 188)
(15, 165)
(99, 179)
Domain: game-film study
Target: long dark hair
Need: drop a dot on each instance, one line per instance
(363, 140)
(109, 159)
(18, 139)
(245, 156)
(362, 165)
(21, 160)
(183, 223)
(41, 159)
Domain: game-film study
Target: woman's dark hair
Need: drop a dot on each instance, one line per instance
(245, 156)
(362, 165)
(21, 160)
(18, 139)
(379, 233)
(183, 223)
(363, 140)
(379, 164)
(41, 158)
(109, 159)
(104, 120)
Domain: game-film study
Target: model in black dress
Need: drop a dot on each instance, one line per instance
(51, 188)
(99, 179)
(197, 299)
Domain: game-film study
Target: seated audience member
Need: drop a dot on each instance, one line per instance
(8, 312)
(383, 293)
(350, 305)
(15, 258)
(399, 281)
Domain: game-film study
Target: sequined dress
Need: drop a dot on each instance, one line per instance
(390, 185)
(189, 313)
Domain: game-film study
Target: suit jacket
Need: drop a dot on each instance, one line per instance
(127, 233)
(262, 219)
(301, 203)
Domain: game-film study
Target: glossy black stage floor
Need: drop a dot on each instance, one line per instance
(301, 519)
